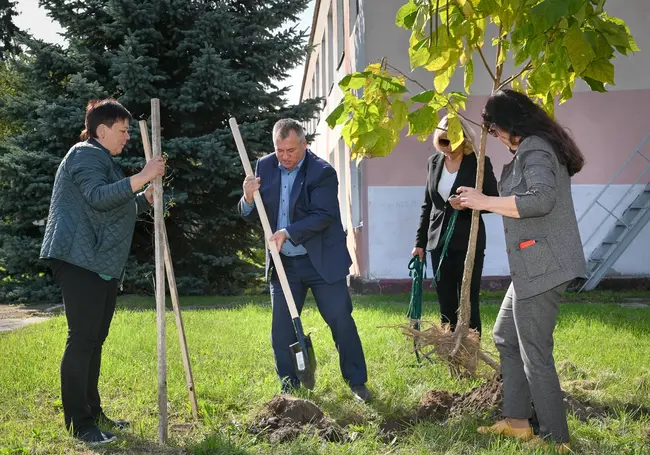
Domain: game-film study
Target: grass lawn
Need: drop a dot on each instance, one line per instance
(603, 350)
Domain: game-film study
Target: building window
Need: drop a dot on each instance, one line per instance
(323, 68)
(340, 33)
(355, 194)
(317, 78)
(354, 12)
(331, 55)
(343, 184)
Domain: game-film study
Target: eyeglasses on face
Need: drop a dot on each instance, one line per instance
(492, 130)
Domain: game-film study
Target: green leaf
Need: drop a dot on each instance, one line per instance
(406, 15)
(338, 116)
(424, 97)
(486, 7)
(599, 44)
(549, 105)
(418, 57)
(442, 53)
(346, 132)
(580, 51)
(458, 100)
(581, 14)
(367, 140)
(469, 75)
(354, 81)
(400, 113)
(443, 78)
(595, 85)
(539, 80)
(531, 49)
(422, 122)
(615, 32)
(632, 46)
(516, 85)
(601, 70)
(548, 13)
(392, 84)
(358, 125)
(454, 130)
(421, 43)
(566, 94)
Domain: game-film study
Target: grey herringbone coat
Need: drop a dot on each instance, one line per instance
(92, 212)
(547, 216)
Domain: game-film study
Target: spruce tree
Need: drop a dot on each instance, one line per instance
(8, 29)
(205, 61)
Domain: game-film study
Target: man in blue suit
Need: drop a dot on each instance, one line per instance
(300, 194)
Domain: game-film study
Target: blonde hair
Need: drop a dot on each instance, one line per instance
(468, 133)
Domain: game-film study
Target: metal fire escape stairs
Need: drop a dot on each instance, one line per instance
(626, 225)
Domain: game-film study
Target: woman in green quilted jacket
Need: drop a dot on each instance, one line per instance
(87, 240)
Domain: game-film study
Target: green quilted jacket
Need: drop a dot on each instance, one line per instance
(92, 212)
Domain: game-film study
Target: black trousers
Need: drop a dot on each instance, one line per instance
(448, 286)
(89, 302)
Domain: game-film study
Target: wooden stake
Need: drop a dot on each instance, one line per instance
(173, 290)
(160, 277)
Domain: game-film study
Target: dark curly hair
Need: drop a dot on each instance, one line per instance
(519, 116)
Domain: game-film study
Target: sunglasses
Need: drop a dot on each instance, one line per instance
(444, 142)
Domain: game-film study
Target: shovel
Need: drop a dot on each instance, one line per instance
(302, 352)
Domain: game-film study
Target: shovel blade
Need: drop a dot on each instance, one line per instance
(304, 358)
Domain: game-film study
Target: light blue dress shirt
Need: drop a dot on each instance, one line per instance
(288, 177)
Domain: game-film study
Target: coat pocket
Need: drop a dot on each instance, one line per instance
(538, 258)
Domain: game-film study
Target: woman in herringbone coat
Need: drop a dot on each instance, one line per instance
(88, 236)
(545, 254)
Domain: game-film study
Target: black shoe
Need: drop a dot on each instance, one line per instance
(361, 393)
(104, 421)
(94, 436)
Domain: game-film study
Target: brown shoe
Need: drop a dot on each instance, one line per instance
(503, 428)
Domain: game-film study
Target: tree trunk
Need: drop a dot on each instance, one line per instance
(464, 307)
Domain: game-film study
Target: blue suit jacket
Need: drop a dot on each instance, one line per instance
(314, 213)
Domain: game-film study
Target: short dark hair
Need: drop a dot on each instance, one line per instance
(519, 116)
(103, 112)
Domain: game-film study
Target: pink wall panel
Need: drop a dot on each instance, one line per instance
(608, 127)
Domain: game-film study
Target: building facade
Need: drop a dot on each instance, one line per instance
(381, 197)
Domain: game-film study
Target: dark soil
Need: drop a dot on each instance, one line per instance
(435, 405)
(284, 418)
(483, 401)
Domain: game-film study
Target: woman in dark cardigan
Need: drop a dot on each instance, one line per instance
(87, 240)
(446, 171)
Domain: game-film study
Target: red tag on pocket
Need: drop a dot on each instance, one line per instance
(526, 244)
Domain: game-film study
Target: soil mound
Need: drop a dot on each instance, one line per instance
(284, 418)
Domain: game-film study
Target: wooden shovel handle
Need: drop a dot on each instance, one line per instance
(275, 254)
